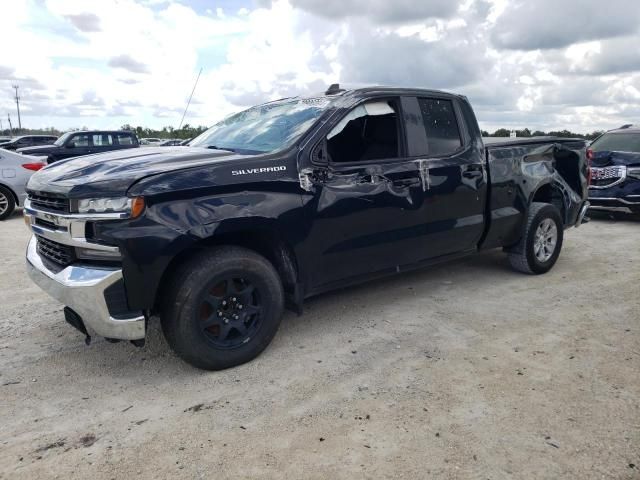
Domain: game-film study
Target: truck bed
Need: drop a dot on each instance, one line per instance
(525, 170)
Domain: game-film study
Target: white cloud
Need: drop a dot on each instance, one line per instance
(103, 64)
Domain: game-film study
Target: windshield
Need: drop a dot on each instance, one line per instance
(265, 128)
(60, 141)
(617, 142)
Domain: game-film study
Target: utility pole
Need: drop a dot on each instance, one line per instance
(10, 127)
(16, 87)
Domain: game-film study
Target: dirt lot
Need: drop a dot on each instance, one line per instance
(468, 370)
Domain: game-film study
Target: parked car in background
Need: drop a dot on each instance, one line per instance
(285, 201)
(28, 141)
(186, 142)
(76, 144)
(615, 170)
(150, 141)
(15, 171)
(4, 140)
(171, 143)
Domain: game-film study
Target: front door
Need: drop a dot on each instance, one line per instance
(368, 208)
(79, 144)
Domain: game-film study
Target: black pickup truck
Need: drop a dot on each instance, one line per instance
(284, 201)
(76, 144)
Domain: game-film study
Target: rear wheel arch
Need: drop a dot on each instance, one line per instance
(551, 193)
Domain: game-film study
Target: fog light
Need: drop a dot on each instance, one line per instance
(92, 254)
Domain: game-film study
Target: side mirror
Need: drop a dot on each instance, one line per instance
(319, 153)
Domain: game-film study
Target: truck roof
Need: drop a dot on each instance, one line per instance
(335, 92)
(626, 129)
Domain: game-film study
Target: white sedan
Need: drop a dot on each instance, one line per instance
(15, 171)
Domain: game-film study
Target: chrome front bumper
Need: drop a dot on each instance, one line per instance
(82, 289)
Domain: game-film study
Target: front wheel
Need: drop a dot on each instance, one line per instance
(223, 307)
(540, 245)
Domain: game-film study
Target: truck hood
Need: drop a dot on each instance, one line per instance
(39, 150)
(112, 173)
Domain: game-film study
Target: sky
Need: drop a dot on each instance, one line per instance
(543, 64)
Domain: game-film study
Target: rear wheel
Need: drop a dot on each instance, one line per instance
(540, 245)
(223, 308)
(7, 203)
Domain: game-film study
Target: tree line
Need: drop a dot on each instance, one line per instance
(187, 131)
(503, 132)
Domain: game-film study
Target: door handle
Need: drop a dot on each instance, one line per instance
(370, 179)
(472, 173)
(407, 182)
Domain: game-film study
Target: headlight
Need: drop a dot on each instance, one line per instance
(104, 205)
(132, 206)
(634, 172)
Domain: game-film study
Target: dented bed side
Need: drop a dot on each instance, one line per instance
(524, 171)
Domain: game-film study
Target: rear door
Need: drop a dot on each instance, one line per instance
(125, 140)
(453, 166)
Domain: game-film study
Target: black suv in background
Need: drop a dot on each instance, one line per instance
(28, 141)
(615, 170)
(75, 144)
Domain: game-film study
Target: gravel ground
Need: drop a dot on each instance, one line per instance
(467, 370)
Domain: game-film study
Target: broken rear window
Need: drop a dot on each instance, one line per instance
(443, 135)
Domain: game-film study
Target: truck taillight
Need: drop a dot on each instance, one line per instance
(589, 158)
(35, 166)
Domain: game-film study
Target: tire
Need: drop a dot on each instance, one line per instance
(223, 307)
(537, 251)
(7, 203)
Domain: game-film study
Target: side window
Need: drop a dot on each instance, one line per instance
(368, 132)
(102, 140)
(441, 126)
(80, 141)
(124, 139)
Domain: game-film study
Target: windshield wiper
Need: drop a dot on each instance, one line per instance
(215, 147)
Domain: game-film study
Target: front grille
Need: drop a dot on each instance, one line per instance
(55, 252)
(48, 201)
(606, 176)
